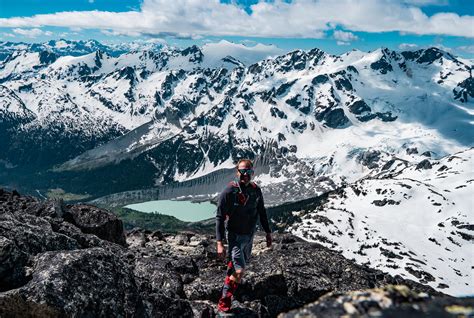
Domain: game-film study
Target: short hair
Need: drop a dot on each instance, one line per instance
(247, 161)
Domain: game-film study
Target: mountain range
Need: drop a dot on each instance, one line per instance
(123, 124)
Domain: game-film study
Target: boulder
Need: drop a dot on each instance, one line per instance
(87, 283)
(389, 301)
(97, 221)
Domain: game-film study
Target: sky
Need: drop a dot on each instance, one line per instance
(335, 26)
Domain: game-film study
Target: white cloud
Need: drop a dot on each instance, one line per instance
(407, 46)
(345, 36)
(466, 48)
(31, 33)
(342, 43)
(248, 42)
(213, 52)
(299, 18)
(442, 47)
(422, 3)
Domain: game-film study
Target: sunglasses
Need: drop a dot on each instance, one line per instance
(245, 171)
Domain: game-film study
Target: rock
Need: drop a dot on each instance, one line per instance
(426, 154)
(390, 301)
(159, 305)
(424, 164)
(54, 267)
(412, 151)
(334, 118)
(159, 274)
(51, 207)
(33, 235)
(91, 282)
(12, 260)
(385, 201)
(382, 65)
(181, 239)
(320, 79)
(93, 220)
(369, 158)
(291, 274)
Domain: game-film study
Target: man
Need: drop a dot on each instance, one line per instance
(240, 204)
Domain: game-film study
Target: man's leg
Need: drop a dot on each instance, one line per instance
(245, 251)
(234, 272)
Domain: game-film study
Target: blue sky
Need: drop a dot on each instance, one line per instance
(334, 26)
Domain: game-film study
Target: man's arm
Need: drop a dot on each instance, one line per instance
(262, 212)
(222, 210)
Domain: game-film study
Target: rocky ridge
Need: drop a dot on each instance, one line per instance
(75, 260)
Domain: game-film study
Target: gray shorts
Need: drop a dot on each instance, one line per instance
(240, 248)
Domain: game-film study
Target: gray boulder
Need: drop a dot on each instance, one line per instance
(93, 220)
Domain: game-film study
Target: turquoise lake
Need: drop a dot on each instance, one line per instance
(182, 210)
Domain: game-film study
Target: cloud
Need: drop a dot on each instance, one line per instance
(442, 47)
(345, 36)
(407, 46)
(9, 35)
(213, 52)
(248, 42)
(466, 48)
(296, 19)
(31, 33)
(422, 3)
(342, 43)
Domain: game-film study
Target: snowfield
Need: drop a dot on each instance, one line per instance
(417, 223)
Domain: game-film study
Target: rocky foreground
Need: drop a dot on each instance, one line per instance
(62, 260)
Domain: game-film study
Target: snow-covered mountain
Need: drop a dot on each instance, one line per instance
(411, 220)
(306, 111)
(309, 111)
(361, 122)
(65, 47)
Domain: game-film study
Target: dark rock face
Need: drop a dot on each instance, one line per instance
(382, 65)
(464, 90)
(46, 57)
(390, 301)
(424, 164)
(93, 220)
(411, 151)
(320, 79)
(359, 107)
(54, 265)
(299, 126)
(430, 55)
(333, 118)
(103, 286)
(275, 112)
(369, 158)
(343, 83)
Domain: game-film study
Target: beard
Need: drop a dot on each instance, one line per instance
(244, 178)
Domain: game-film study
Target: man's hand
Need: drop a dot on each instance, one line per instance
(220, 250)
(269, 239)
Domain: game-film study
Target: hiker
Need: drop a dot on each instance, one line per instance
(239, 207)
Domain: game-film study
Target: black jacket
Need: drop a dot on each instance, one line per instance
(241, 207)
